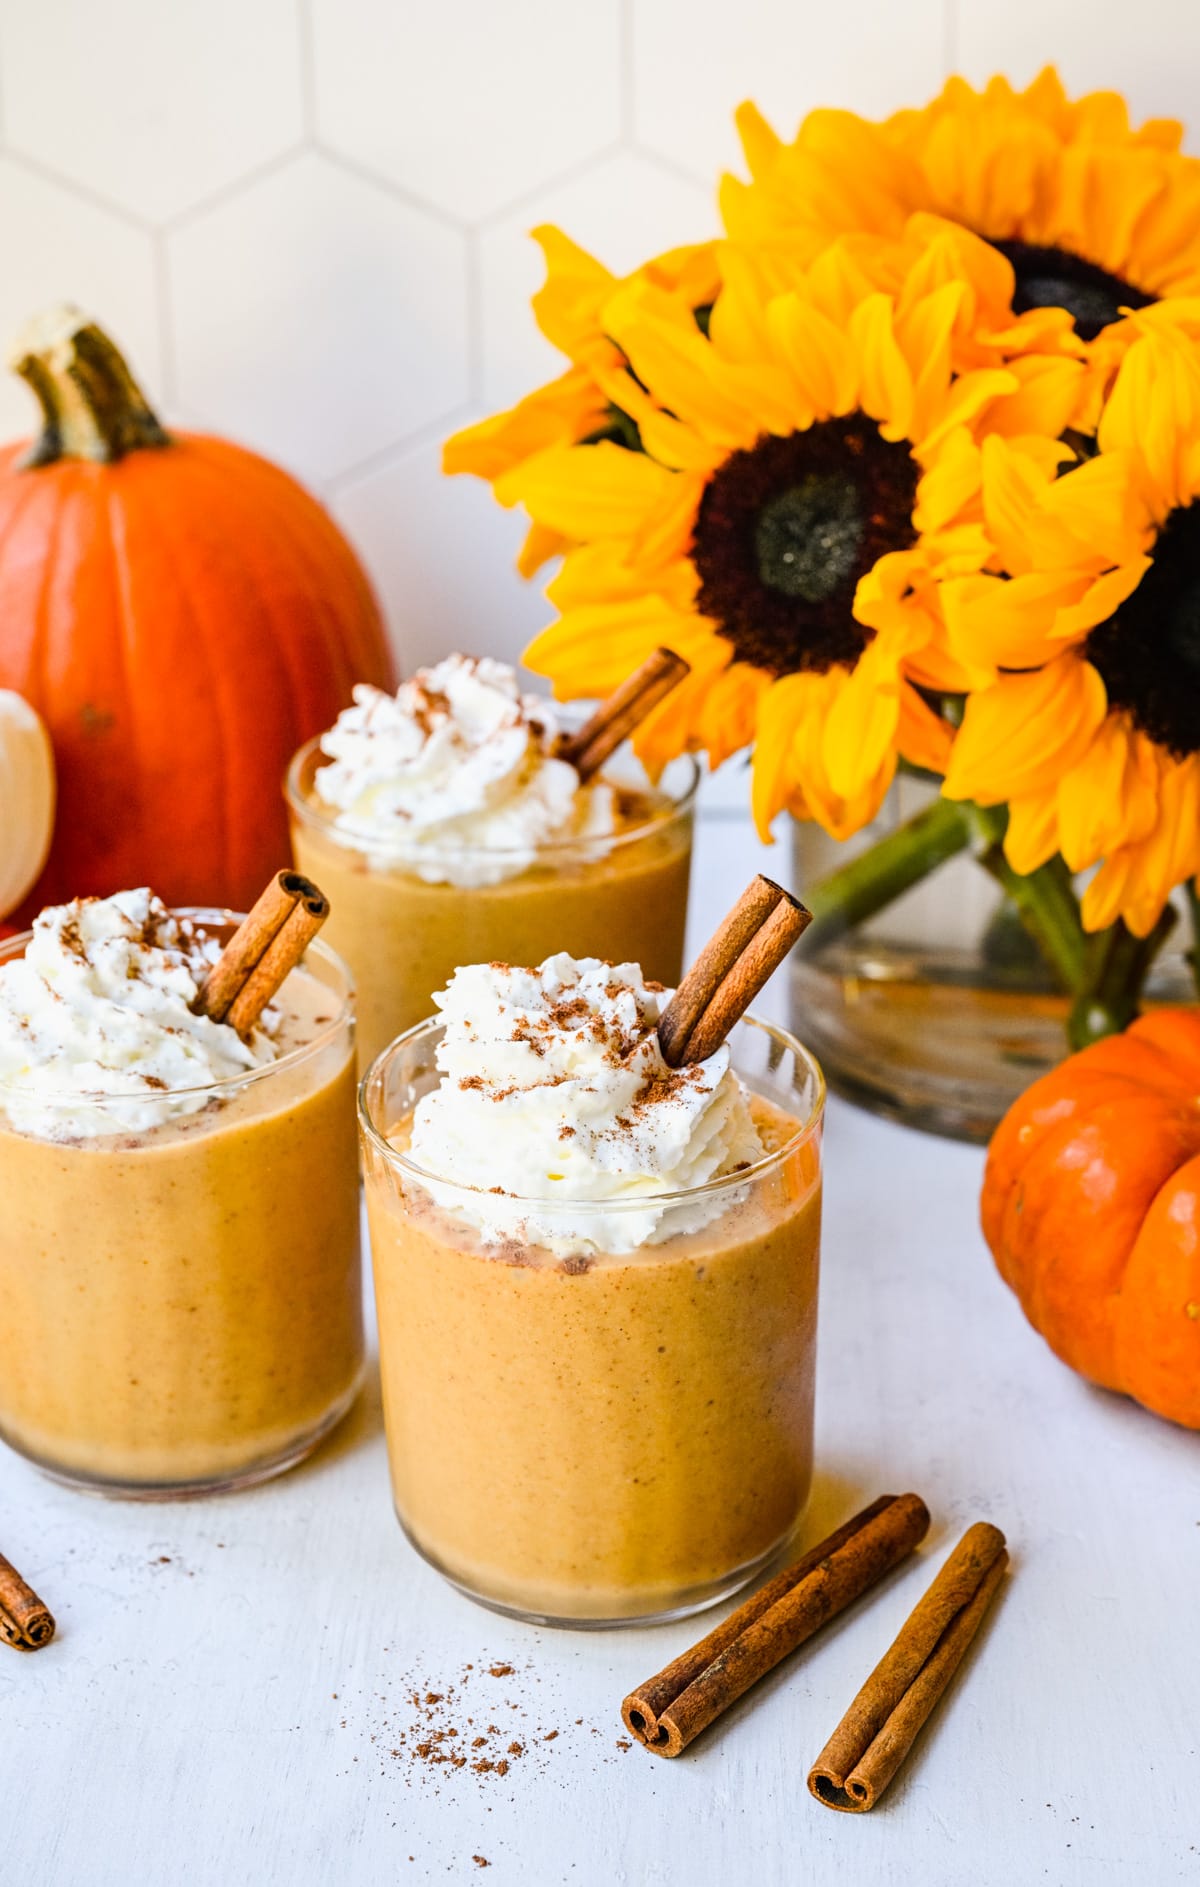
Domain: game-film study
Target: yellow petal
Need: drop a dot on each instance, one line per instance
(558, 414)
(1032, 834)
(726, 402)
(1100, 601)
(588, 491)
(538, 547)
(760, 144)
(817, 354)
(1110, 798)
(779, 713)
(993, 623)
(1154, 411)
(922, 736)
(591, 650)
(568, 304)
(887, 390)
(860, 728)
(1020, 735)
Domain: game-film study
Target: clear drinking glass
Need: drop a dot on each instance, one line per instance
(183, 1302)
(622, 898)
(604, 1440)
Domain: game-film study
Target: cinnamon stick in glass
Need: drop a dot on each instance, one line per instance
(24, 1620)
(744, 952)
(671, 1709)
(624, 710)
(882, 1723)
(264, 949)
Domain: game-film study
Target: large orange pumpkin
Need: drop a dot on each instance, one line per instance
(1091, 1205)
(183, 616)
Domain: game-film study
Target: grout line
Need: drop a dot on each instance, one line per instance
(368, 175)
(949, 38)
(308, 68)
(216, 199)
(558, 181)
(83, 191)
(681, 174)
(397, 449)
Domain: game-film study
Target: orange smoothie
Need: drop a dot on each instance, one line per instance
(609, 1438)
(446, 827)
(184, 1299)
(403, 937)
(596, 1282)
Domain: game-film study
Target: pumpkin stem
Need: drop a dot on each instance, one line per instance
(92, 407)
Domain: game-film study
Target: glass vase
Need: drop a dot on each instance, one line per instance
(939, 1009)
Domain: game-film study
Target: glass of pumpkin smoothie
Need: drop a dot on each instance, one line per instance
(447, 830)
(596, 1278)
(179, 1239)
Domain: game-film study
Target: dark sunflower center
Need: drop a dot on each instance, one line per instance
(1054, 278)
(784, 533)
(1148, 653)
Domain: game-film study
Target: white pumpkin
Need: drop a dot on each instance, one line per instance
(26, 798)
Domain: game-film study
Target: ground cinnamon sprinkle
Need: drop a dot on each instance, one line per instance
(436, 1729)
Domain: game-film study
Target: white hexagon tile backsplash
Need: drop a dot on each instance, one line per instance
(306, 220)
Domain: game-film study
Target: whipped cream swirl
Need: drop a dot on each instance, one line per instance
(100, 1005)
(454, 776)
(555, 1090)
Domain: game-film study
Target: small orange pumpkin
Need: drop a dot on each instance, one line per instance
(183, 616)
(1091, 1206)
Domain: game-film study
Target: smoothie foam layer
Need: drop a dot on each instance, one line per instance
(554, 1089)
(100, 1004)
(454, 776)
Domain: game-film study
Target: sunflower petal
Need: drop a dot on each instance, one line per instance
(887, 383)
(860, 728)
(1032, 834)
(1110, 797)
(780, 711)
(1019, 736)
(588, 491)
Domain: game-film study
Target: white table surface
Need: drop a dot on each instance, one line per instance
(230, 1677)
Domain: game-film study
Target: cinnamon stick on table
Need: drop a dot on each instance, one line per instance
(265, 948)
(879, 1729)
(24, 1620)
(669, 1710)
(747, 948)
(624, 710)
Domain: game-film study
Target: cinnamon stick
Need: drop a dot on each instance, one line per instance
(24, 1620)
(625, 709)
(753, 1640)
(745, 951)
(881, 1725)
(641, 1708)
(267, 944)
(278, 960)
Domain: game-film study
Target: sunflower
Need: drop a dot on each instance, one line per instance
(577, 405)
(1090, 726)
(808, 473)
(1092, 215)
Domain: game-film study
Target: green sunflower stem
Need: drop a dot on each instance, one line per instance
(1192, 898)
(893, 865)
(1117, 968)
(1103, 973)
(1044, 899)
